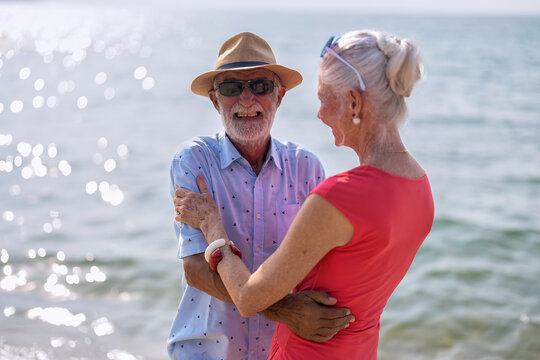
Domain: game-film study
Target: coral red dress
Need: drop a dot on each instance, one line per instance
(392, 216)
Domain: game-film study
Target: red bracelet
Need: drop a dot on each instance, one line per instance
(216, 256)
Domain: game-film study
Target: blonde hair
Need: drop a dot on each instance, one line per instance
(390, 67)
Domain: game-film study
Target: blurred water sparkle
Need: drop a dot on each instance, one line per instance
(95, 100)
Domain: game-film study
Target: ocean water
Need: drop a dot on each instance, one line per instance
(95, 99)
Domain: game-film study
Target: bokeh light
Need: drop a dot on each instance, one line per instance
(39, 84)
(25, 73)
(101, 77)
(82, 102)
(148, 83)
(140, 73)
(38, 101)
(16, 106)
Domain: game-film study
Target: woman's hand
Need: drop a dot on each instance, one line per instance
(199, 210)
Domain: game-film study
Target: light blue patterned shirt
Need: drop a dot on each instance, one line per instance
(257, 210)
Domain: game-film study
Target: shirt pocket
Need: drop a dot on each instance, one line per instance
(285, 215)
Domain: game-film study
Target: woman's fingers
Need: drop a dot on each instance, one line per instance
(183, 196)
(179, 201)
(181, 192)
(178, 209)
(203, 188)
(184, 215)
(194, 208)
(201, 184)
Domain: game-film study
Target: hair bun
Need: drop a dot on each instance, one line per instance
(404, 67)
(388, 44)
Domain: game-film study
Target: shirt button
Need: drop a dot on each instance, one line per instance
(252, 352)
(258, 216)
(258, 249)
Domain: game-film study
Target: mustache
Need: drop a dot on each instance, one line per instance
(237, 108)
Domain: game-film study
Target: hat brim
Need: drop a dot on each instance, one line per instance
(204, 83)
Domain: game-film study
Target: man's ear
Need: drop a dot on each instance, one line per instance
(213, 97)
(280, 95)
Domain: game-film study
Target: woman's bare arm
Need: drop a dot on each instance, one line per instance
(309, 314)
(318, 228)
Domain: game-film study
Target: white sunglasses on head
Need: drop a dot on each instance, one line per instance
(328, 48)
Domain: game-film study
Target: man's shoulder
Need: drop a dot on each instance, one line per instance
(198, 147)
(295, 152)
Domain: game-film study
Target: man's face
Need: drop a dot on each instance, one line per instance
(247, 117)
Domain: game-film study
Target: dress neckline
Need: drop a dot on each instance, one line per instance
(423, 177)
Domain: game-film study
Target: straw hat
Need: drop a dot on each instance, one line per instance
(245, 51)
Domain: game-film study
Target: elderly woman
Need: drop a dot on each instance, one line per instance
(358, 232)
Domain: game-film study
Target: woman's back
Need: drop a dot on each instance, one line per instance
(391, 216)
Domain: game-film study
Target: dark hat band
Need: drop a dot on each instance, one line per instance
(241, 64)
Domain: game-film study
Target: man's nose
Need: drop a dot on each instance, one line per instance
(246, 96)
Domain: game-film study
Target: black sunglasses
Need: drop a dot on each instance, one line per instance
(232, 88)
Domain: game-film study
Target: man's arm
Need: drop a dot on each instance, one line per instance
(199, 275)
(308, 313)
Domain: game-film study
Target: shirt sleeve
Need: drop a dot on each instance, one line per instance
(318, 173)
(314, 170)
(187, 164)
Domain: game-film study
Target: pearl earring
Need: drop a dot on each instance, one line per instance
(356, 121)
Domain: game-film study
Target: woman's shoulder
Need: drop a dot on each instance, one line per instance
(354, 176)
(344, 182)
(364, 179)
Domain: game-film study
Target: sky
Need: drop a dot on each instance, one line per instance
(461, 7)
(419, 7)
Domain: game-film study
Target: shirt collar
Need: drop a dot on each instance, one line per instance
(273, 154)
(228, 153)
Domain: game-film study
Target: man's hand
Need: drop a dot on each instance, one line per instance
(309, 315)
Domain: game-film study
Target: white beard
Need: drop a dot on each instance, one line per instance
(248, 130)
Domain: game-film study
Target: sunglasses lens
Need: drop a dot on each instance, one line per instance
(327, 45)
(235, 88)
(331, 42)
(231, 88)
(261, 87)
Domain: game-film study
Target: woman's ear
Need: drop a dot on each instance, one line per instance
(355, 101)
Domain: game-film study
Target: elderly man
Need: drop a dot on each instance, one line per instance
(259, 184)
